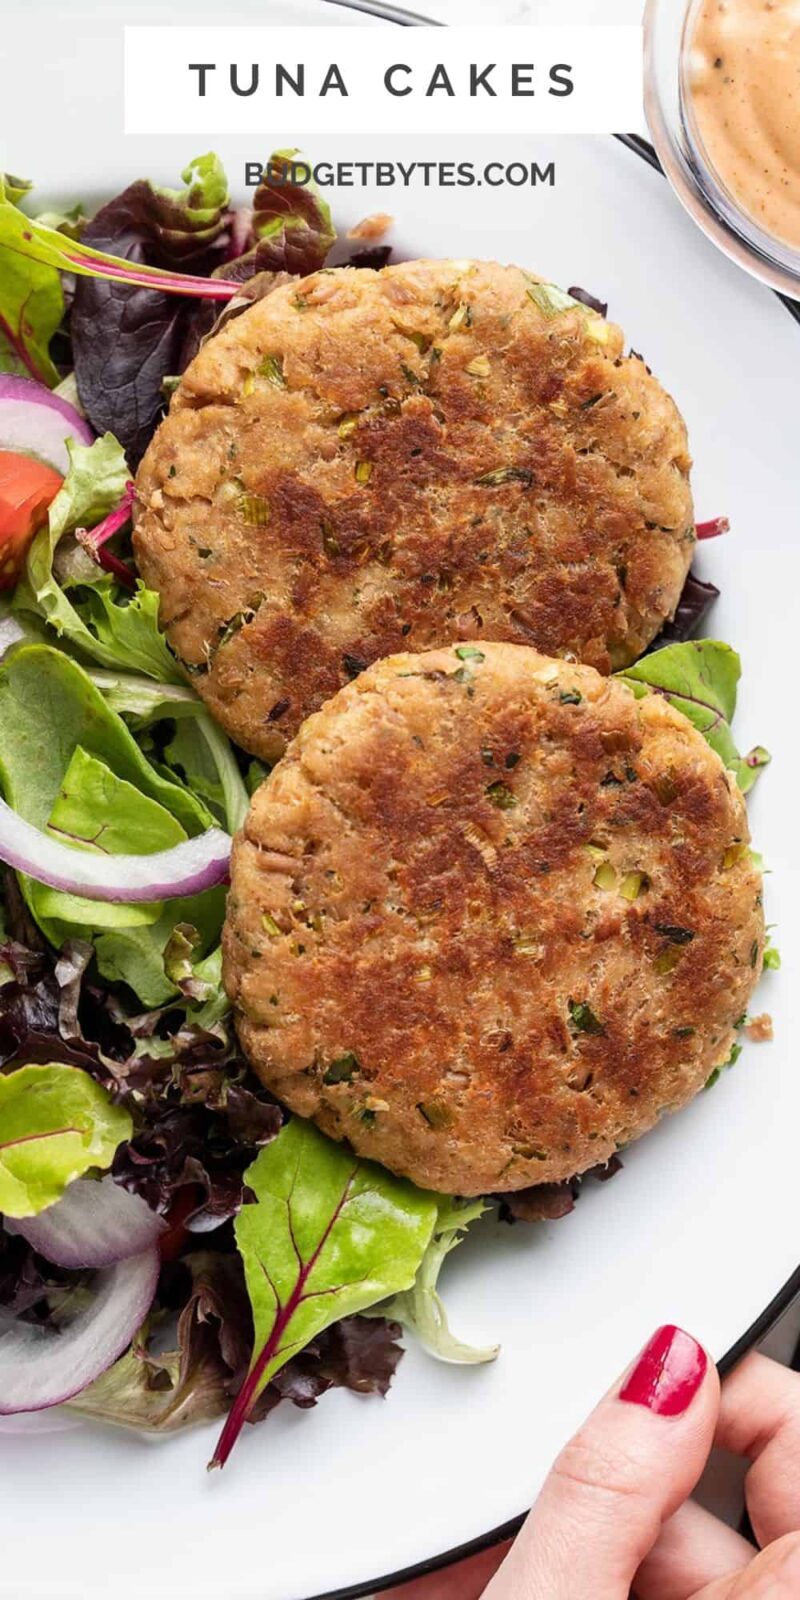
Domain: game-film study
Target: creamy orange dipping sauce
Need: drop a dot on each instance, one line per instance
(744, 84)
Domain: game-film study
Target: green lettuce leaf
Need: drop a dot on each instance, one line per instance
(136, 955)
(420, 1308)
(161, 1391)
(113, 633)
(15, 188)
(27, 243)
(71, 222)
(96, 481)
(183, 220)
(49, 706)
(700, 679)
(157, 1393)
(292, 223)
(103, 813)
(199, 755)
(328, 1235)
(202, 756)
(126, 632)
(216, 1006)
(31, 300)
(68, 761)
(55, 1123)
(143, 700)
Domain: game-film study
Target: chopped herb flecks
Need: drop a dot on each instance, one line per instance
(583, 1019)
(501, 796)
(343, 1069)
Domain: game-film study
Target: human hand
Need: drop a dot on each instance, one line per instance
(615, 1513)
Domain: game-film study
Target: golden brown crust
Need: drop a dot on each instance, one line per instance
(518, 921)
(371, 461)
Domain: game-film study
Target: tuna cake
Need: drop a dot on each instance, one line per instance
(491, 916)
(367, 462)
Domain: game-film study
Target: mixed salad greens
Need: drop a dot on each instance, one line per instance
(151, 1191)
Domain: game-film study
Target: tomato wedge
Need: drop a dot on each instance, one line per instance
(27, 487)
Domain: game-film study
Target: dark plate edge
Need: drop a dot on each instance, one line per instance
(423, 1569)
(791, 1289)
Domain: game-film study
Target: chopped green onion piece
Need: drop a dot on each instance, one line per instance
(254, 510)
(632, 885)
(550, 299)
(271, 368)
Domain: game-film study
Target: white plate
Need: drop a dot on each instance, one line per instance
(700, 1227)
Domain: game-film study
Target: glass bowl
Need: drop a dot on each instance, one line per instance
(668, 26)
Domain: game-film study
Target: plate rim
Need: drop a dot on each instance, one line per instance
(790, 1290)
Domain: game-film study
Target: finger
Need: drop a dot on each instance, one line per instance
(466, 1581)
(760, 1419)
(773, 1575)
(693, 1549)
(618, 1480)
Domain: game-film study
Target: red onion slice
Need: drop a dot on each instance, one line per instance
(37, 422)
(39, 1367)
(186, 869)
(92, 1225)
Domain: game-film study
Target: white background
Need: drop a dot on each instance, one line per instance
(502, 11)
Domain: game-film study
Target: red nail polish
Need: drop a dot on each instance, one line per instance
(668, 1373)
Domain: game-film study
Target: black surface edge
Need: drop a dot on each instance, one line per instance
(791, 1289)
